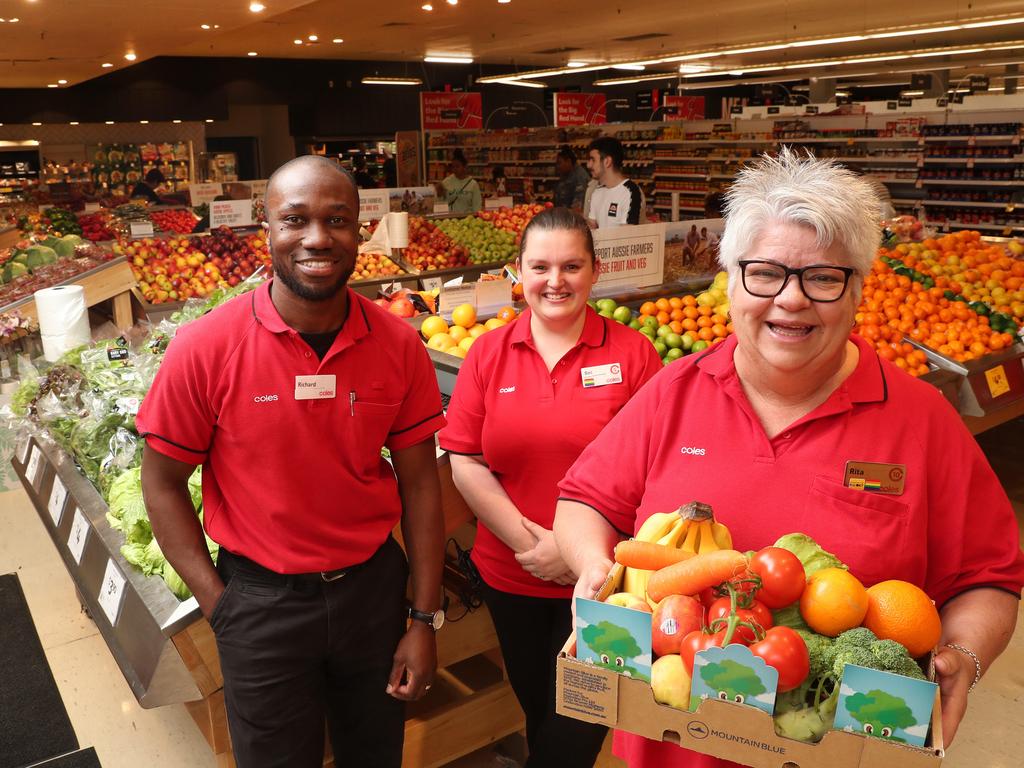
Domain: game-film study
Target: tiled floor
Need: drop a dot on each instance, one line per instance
(107, 717)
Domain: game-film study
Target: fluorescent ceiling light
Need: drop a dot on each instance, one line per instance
(106, 65)
(427, 7)
(449, 59)
(993, 23)
(175, 121)
(692, 69)
(36, 123)
(252, 53)
(391, 81)
(312, 38)
(337, 40)
(828, 41)
(959, 52)
(576, 64)
(143, 122)
(629, 67)
(521, 83)
(108, 122)
(911, 93)
(209, 120)
(643, 79)
(62, 82)
(130, 56)
(256, 7)
(52, 85)
(910, 32)
(73, 122)
(297, 41)
(204, 26)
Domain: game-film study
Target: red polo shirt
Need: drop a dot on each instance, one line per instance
(295, 485)
(692, 435)
(530, 424)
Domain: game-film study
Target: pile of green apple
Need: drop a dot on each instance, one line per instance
(670, 345)
(484, 241)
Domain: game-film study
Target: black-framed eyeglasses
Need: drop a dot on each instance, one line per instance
(819, 282)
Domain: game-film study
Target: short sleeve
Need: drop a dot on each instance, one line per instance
(610, 475)
(466, 411)
(652, 364)
(973, 537)
(177, 416)
(420, 414)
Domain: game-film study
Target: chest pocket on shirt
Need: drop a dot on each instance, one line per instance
(604, 401)
(371, 423)
(867, 531)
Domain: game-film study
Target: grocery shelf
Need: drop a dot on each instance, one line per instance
(894, 179)
(991, 139)
(722, 176)
(987, 227)
(875, 159)
(966, 204)
(906, 201)
(662, 191)
(851, 139)
(680, 175)
(973, 183)
(534, 178)
(508, 145)
(985, 160)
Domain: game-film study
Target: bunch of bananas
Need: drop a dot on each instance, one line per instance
(691, 528)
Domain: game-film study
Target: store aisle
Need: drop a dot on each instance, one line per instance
(106, 716)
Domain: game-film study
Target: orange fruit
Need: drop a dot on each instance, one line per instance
(464, 315)
(508, 314)
(433, 325)
(648, 308)
(493, 323)
(833, 601)
(901, 611)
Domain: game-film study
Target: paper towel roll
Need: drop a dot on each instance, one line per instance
(63, 319)
(398, 229)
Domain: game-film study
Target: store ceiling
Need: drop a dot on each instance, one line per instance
(69, 40)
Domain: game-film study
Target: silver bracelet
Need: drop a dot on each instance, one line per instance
(974, 656)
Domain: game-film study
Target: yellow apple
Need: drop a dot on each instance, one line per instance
(670, 682)
(629, 600)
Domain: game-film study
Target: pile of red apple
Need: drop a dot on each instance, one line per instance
(430, 248)
(176, 269)
(513, 219)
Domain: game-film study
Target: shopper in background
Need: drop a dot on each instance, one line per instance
(617, 199)
(572, 180)
(498, 180)
(147, 187)
(459, 189)
(390, 170)
(762, 426)
(529, 397)
(286, 395)
(362, 176)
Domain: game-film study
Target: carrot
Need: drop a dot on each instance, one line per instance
(690, 576)
(648, 556)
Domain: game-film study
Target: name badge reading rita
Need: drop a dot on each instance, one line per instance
(600, 375)
(876, 478)
(323, 387)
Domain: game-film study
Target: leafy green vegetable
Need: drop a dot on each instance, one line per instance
(813, 557)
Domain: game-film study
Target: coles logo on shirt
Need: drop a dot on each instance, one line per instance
(690, 450)
(613, 209)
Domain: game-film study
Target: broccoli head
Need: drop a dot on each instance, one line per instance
(860, 637)
(819, 649)
(862, 657)
(893, 657)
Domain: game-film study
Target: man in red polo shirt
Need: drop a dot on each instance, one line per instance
(286, 396)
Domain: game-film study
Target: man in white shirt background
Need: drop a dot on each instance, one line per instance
(617, 200)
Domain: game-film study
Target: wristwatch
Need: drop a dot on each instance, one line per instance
(434, 620)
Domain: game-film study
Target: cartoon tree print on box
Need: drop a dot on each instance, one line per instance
(615, 646)
(732, 681)
(880, 714)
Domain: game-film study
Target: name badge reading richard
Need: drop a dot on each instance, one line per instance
(600, 375)
(323, 387)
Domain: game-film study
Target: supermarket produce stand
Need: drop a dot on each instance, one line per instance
(166, 649)
(111, 281)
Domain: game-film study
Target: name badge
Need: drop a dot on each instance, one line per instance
(876, 478)
(323, 387)
(600, 375)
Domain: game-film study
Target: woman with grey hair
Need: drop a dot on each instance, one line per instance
(771, 426)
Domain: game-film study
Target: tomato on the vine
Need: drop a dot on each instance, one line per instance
(785, 650)
(782, 576)
(697, 641)
(756, 613)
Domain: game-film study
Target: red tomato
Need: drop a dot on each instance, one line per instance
(785, 650)
(757, 613)
(781, 574)
(697, 641)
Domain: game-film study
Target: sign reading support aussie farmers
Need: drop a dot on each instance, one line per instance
(631, 256)
(441, 111)
(580, 109)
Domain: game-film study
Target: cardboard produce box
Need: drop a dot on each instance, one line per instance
(724, 729)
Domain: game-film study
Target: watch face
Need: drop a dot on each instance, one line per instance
(438, 620)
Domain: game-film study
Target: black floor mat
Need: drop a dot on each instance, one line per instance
(83, 758)
(34, 725)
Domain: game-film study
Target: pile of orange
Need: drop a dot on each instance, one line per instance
(684, 315)
(893, 307)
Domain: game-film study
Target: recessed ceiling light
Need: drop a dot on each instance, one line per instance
(62, 82)
(504, 2)
(297, 42)
(130, 56)
(216, 26)
(73, 122)
(693, 68)
(15, 20)
(143, 122)
(453, 2)
(52, 85)
(204, 26)
(629, 67)
(175, 121)
(427, 7)
(36, 123)
(106, 65)
(576, 64)
(449, 59)
(337, 40)
(109, 122)
(252, 53)
(209, 120)
(312, 38)
(256, 7)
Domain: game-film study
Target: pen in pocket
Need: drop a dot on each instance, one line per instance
(352, 403)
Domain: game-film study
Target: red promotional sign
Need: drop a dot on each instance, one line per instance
(683, 107)
(580, 109)
(446, 111)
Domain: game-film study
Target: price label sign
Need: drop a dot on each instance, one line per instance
(92, 207)
(24, 441)
(139, 229)
(998, 384)
(231, 213)
(112, 592)
(58, 495)
(32, 468)
(78, 536)
(432, 283)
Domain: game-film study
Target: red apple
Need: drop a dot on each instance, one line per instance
(674, 618)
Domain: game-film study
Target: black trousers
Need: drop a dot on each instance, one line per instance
(295, 651)
(531, 632)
